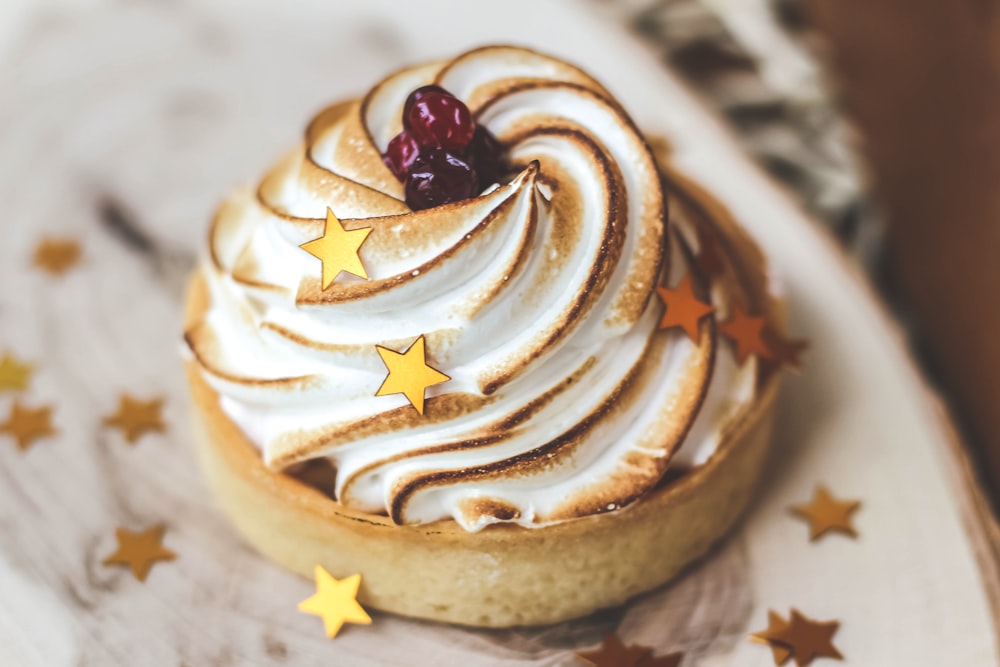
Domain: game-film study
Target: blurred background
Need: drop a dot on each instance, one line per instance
(881, 116)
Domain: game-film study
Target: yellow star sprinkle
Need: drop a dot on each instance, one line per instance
(775, 625)
(802, 637)
(136, 418)
(14, 375)
(335, 602)
(409, 373)
(57, 256)
(139, 551)
(338, 249)
(826, 513)
(26, 425)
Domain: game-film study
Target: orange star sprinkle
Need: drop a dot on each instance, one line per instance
(14, 375)
(613, 653)
(139, 551)
(26, 425)
(747, 333)
(338, 249)
(775, 623)
(409, 373)
(785, 351)
(135, 418)
(805, 638)
(684, 310)
(57, 256)
(826, 513)
(335, 602)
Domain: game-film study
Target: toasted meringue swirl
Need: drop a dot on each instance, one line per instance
(537, 298)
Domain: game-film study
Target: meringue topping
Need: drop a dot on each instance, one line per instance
(535, 297)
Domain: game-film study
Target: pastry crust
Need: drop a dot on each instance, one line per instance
(504, 575)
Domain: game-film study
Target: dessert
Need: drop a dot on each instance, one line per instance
(486, 410)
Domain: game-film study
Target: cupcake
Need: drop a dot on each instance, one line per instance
(455, 342)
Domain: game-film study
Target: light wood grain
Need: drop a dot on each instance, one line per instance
(124, 129)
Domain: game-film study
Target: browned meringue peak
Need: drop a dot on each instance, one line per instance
(299, 188)
(482, 74)
(231, 229)
(216, 353)
(340, 143)
(381, 109)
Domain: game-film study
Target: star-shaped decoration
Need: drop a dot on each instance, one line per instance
(335, 602)
(57, 256)
(139, 551)
(826, 513)
(338, 249)
(683, 309)
(775, 623)
(409, 373)
(785, 351)
(135, 418)
(805, 638)
(747, 334)
(15, 375)
(613, 653)
(26, 425)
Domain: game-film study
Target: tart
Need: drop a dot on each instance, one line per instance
(597, 323)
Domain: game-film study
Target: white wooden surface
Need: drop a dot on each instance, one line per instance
(163, 107)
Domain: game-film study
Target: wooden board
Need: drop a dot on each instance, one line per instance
(149, 114)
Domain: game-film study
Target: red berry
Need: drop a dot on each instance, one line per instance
(400, 154)
(438, 119)
(416, 96)
(485, 154)
(437, 177)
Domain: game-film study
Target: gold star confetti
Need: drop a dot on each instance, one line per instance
(683, 309)
(785, 351)
(338, 249)
(775, 623)
(409, 373)
(826, 513)
(57, 256)
(335, 602)
(613, 653)
(746, 332)
(135, 418)
(14, 374)
(805, 638)
(26, 425)
(139, 551)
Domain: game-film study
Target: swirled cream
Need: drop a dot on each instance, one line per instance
(537, 298)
